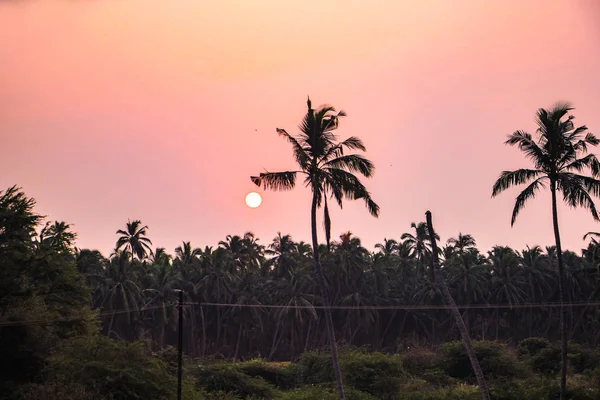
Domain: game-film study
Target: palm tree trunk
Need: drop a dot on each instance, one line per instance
(203, 348)
(307, 336)
(485, 394)
(561, 293)
(237, 343)
(321, 281)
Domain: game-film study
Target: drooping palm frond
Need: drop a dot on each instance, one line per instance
(590, 161)
(508, 179)
(575, 194)
(300, 155)
(343, 184)
(276, 180)
(528, 193)
(352, 163)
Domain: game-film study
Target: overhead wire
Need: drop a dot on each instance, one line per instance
(315, 307)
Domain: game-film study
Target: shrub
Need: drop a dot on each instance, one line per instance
(583, 359)
(374, 373)
(419, 360)
(282, 376)
(229, 378)
(547, 361)
(114, 369)
(494, 359)
(323, 393)
(532, 346)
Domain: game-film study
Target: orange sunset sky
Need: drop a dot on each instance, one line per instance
(161, 110)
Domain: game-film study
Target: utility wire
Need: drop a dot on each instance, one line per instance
(317, 307)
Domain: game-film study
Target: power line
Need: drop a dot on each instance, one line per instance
(75, 318)
(401, 307)
(316, 307)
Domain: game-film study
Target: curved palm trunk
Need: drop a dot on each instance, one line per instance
(485, 394)
(321, 280)
(561, 293)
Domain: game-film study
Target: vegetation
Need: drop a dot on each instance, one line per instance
(75, 324)
(328, 172)
(559, 156)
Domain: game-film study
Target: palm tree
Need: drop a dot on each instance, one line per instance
(58, 235)
(462, 243)
(420, 244)
(559, 156)
(327, 171)
(134, 240)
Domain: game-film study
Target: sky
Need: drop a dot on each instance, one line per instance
(162, 110)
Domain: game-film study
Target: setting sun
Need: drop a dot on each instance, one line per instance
(253, 200)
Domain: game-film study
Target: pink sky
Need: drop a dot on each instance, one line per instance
(161, 110)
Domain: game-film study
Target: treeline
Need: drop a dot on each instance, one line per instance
(382, 299)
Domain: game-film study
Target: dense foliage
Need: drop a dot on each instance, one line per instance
(504, 294)
(56, 301)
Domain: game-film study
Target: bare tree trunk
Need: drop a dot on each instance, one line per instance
(485, 394)
(307, 336)
(237, 343)
(321, 281)
(203, 348)
(561, 292)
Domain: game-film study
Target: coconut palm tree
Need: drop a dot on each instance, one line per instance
(327, 171)
(420, 244)
(462, 243)
(134, 239)
(559, 155)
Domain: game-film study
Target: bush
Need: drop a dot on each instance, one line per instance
(375, 373)
(582, 359)
(281, 376)
(419, 360)
(532, 346)
(547, 361)
(323, 393)
(228, 378)
(494, 359)
(457, 392)
(114, 369)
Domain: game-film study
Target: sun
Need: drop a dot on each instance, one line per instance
(253, 200)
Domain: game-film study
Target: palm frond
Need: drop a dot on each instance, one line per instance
(596, 234)
(528, 146)
(589, 161)
(350, 187)
(528, 193)
(352, 163)
(513, 178)
(575, 191)
(302, 158)
(275, 180)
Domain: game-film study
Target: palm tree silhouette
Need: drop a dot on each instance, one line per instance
(134, 240)
(327, 171)
(559, 157)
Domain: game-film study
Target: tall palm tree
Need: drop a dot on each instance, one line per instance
(559, 157)
(134, 239)
(327, 171)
